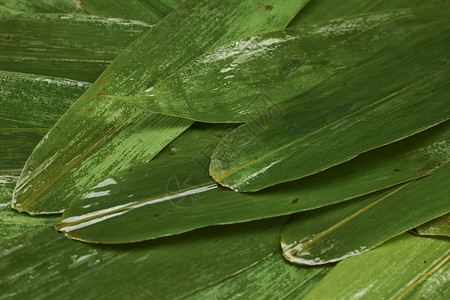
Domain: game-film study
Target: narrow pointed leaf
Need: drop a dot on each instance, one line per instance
(403, 268)
(71, 46)
(320, 10)
(30, 106)
(390, 96)
(97, 137)
(174, 194)
(146, 10)
(272, 278)
(9, 7)
(54, 267)
(235, 82)
(336, 232)
(439, 226)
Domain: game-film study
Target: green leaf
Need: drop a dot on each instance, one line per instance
(235, 82)
(145, 10)
(272, 278)
(12, 223)
(75, 46)
(403, 268)
(390, 96)
(173, 193)
(320, 10)
(336, 232)
(8, 7)
(31, 105)
(97, 137)
(45, 265)
(439, 226)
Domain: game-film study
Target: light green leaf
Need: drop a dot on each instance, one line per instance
(439, 226)
(45, 265)
(30, 106)
(71, 46)
(173, 193)
(395, 270)
(97, 137)
(390, 96)
(8, 7)
(320, 9)
(272, 278)
(235, 82)
(336, 232)
(146, 10)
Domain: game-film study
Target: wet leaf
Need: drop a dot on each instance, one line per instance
(336, 232)
(97, 137)
(173, 193)
(272, 278)
(390, 96)
(74, 46)
(406, 267)
(439, 226)
(8, 7)
(320, 10)
(146, 10)
(43, 264)
(235, 82)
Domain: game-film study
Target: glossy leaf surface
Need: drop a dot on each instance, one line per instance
(30, 106)
(174, 194)
(97, 137)
(235, 82)
(403, 268)
(340, 119)
(272, 278)
(336, 232)
(146, 10)
(439, 226)
(58, 268)
(71, 46)
(320, 10)
(9, 7)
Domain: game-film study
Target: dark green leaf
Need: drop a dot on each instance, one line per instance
(336, 232)
(45, 265)
(399, 92)
(406, 267)
(8, 7)
(174, 193)
(97, 137)
(235, 82)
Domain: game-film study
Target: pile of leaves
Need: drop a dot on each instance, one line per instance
(217, 149)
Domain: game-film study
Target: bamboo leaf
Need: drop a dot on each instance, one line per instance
(31, 105)
(75, 46)
(336, 232)
(338, 120)
(320, 10)
(54, 267)
(235, 82)
(403, 268)
(439, 226)
(173, 193)
(9, 7)
(97, 137)
(145, 10)
(272, 278)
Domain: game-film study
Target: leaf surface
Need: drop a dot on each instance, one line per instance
(72, 46)
(439, 226)
(9, 7)
(336, 232)
(403, 268)
(173, 193)
(392, 95)
(97, 137)
(235, 82)
(55, 267)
